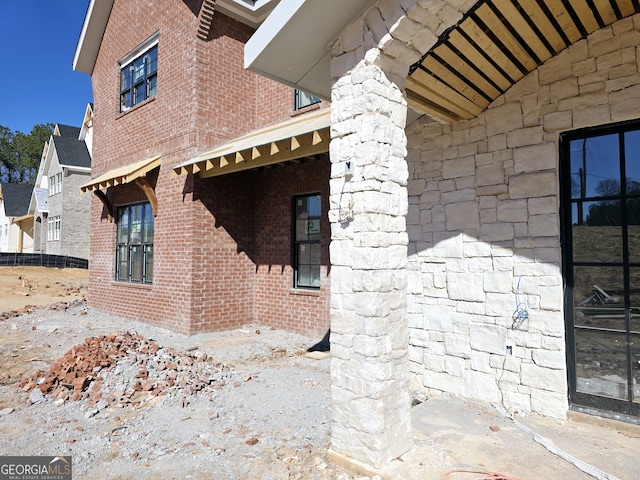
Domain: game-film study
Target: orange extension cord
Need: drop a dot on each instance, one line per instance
(485, 474)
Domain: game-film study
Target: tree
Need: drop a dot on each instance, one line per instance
(20, 153)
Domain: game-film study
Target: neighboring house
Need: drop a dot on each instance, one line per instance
(16, 226)
(60, 211)
(246, 240)
(489, 248)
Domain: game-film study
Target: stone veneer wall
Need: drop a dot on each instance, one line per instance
(484, 226)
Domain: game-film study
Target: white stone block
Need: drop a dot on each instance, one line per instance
(497, 282)
(488, 338)
(501, 305)
(457, 345)
(443, 381)
(465, 287)
(458, 167)
(512, 211)
(541, 184)
(542, 378)
(554, 359)
(496, 232)
(482, 386)
(447, 245)
(463, 216)
(534, 158)
(546, 225)
(503, 119)
(480, 361)
(551, 404)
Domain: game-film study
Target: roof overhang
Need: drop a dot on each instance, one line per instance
(299, 137)
(95, 23)
(493, 46)
(21, 219)
(249, 12)
(292, 46)
(122, 175)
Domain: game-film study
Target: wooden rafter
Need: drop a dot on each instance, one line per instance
(495, 44)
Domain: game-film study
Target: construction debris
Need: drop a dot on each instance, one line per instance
(125, 368)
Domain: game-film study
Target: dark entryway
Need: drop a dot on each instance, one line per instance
(601, 248)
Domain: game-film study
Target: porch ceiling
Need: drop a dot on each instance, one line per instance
(496, 44)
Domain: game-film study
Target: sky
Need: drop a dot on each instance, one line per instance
(38, 39)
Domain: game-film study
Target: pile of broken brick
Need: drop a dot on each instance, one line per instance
(126, 368)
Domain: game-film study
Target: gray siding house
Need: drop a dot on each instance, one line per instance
(61, 215)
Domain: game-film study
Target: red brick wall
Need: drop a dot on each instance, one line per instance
(204, 249)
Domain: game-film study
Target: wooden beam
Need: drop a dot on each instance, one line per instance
(626, 8)
(433, 89)
(537, 15)
(564, 19)
(467, 71)
(455, 82)
(106, 203)
(511, 43)
(143, 184)
(517, 21)
(471, 28)
(605, 10)
(481, 63)
(585, 15)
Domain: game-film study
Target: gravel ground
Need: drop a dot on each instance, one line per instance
(264, 414)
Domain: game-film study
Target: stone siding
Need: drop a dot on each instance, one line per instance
(484, 227)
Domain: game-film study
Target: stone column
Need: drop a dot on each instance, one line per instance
(368, 205)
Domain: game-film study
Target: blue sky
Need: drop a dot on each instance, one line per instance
(38, 85)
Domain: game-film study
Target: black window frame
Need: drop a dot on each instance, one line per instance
(135, 90)
(302, 240)
(127, 243)
(575, 201)
(303, 99)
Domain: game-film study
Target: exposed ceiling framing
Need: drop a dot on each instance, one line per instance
(496, 44)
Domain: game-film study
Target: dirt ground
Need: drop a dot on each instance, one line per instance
(38, 286)
(262, 412)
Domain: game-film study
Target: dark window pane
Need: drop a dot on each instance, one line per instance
(123, 226)
(595, 170)
(136, 263)
(138, 69)
(599, 297)
(151, 86)
(597, 244)
(125, 78)
(148, 224)
(601, 364)
(152, 61)
(632, 161)
(122, 270)
(148, 263)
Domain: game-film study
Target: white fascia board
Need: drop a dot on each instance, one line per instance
(249, 12)
(93, 27)
(293, 45)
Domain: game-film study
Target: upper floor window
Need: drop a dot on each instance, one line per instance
(306, 241)
(303, 99)
(55, 183)
(139, 74)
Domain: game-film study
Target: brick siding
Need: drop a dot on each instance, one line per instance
(207, 270)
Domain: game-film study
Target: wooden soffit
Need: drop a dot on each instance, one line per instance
(122, 175)
(496, 44)
(299, 137)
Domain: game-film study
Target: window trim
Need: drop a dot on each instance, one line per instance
(127, 61)
(295, 242)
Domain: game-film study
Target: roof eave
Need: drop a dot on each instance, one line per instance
(93, 27)
(293, 44)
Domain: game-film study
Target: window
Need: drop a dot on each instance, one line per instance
(601, 246)
(139, 75)
(306, 248)
(53, 228)
(303, 99)
(134, 243)
(55, 183)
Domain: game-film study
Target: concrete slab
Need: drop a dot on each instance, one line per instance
(456, 439)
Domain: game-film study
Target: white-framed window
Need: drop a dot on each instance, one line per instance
(53, 228)
(55, 183)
